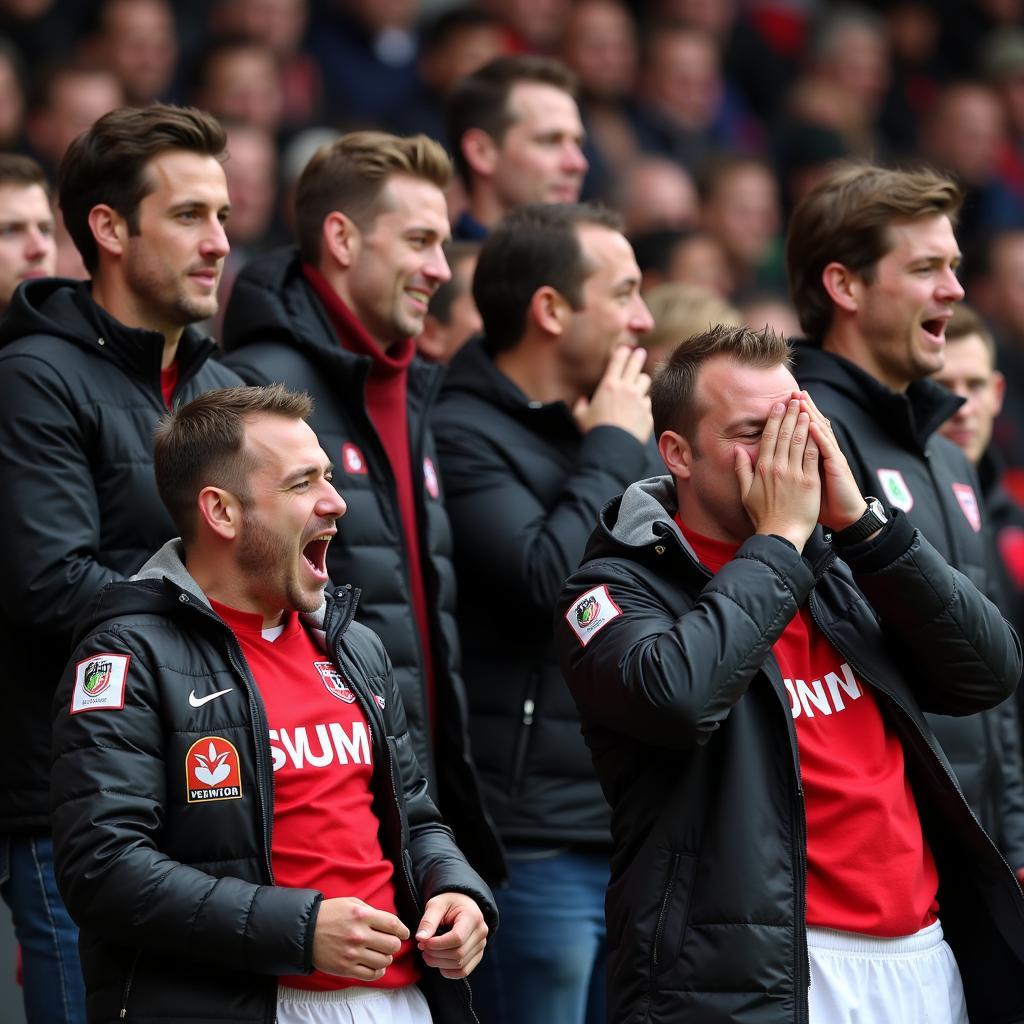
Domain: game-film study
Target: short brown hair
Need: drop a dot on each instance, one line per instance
(480, 100)
(846, 219)
(202, 444)
(16, 169)
(350, 175)
(531, 247)
(674, 402)
(965, 323)
(108, 163)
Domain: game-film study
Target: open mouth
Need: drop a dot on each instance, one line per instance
(935, 328)
(315, 554)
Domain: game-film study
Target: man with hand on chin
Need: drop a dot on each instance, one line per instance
(751, 688)
(240, 824)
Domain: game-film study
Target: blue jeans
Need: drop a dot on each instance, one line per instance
(54, 990)
(546, 963)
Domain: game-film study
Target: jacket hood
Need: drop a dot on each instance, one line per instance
(271, 301)
(644, 515)
(916, 413)
(639, 517)
(48, 305)
(65, 309)
(162, 585)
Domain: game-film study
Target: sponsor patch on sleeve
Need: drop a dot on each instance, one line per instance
(591, 613)
(99, 683)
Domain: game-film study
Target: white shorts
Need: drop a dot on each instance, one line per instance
(862, 979)
(353, 1006)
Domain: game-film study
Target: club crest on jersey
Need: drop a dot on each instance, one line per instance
(212, 771)
(380, 700)
(334, 681)
(430, 478)
(895, 489)
(100, 683)
(352, 460)
(591, 613)
(968, 502)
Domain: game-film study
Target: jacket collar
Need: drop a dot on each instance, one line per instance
(910, 417)
(473, 372)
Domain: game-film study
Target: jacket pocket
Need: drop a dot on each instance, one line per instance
(524, 732)
(673, 912)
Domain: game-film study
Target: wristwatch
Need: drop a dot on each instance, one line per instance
(874, 518)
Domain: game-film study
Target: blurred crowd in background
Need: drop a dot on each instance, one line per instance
(706, 120)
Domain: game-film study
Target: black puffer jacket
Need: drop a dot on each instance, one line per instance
(690, 728)
(276, 329)
(180, 920)
(891, 443)
(523, 489)
(80, 396)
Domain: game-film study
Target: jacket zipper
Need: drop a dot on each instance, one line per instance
(128, 985)
(659, 928)
(261, 730)
(393, 783)
(525, 731)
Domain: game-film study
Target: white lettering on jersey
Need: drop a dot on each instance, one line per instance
(802, 696)
(333, 743)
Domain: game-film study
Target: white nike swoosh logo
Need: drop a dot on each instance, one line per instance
(198, 702)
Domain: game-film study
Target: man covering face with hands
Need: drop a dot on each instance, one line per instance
(751, 642)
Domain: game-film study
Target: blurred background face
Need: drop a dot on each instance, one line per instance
(683, 77)
(77, 99)
(969, 373)
(280, 24)
(251, 170)
(966, 133)
(141, 46)
(658, 195)
(27, 245)
(600, 46)
(244, 84)
(743, 212)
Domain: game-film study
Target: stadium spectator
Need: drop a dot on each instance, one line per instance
(452, 317)
(338, 317)
(28, 249)
(86, 371)
(290, 883)
(750, 644)
(740, 207)
(656, 194)
(680, 311)
(539, 422)
(239, 80)
(280, 25)
(453, 45)
(67, 99)
(517, 138)
(684, 109)
(872, 263)
(138, 41)
(683, 257)
(964, 134)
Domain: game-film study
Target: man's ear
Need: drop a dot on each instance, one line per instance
(221, 512)
(109, 229)
(480, 151)
(549, 310)
(677, 454)
(999, 387)
(843, 286)
(340, 239)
